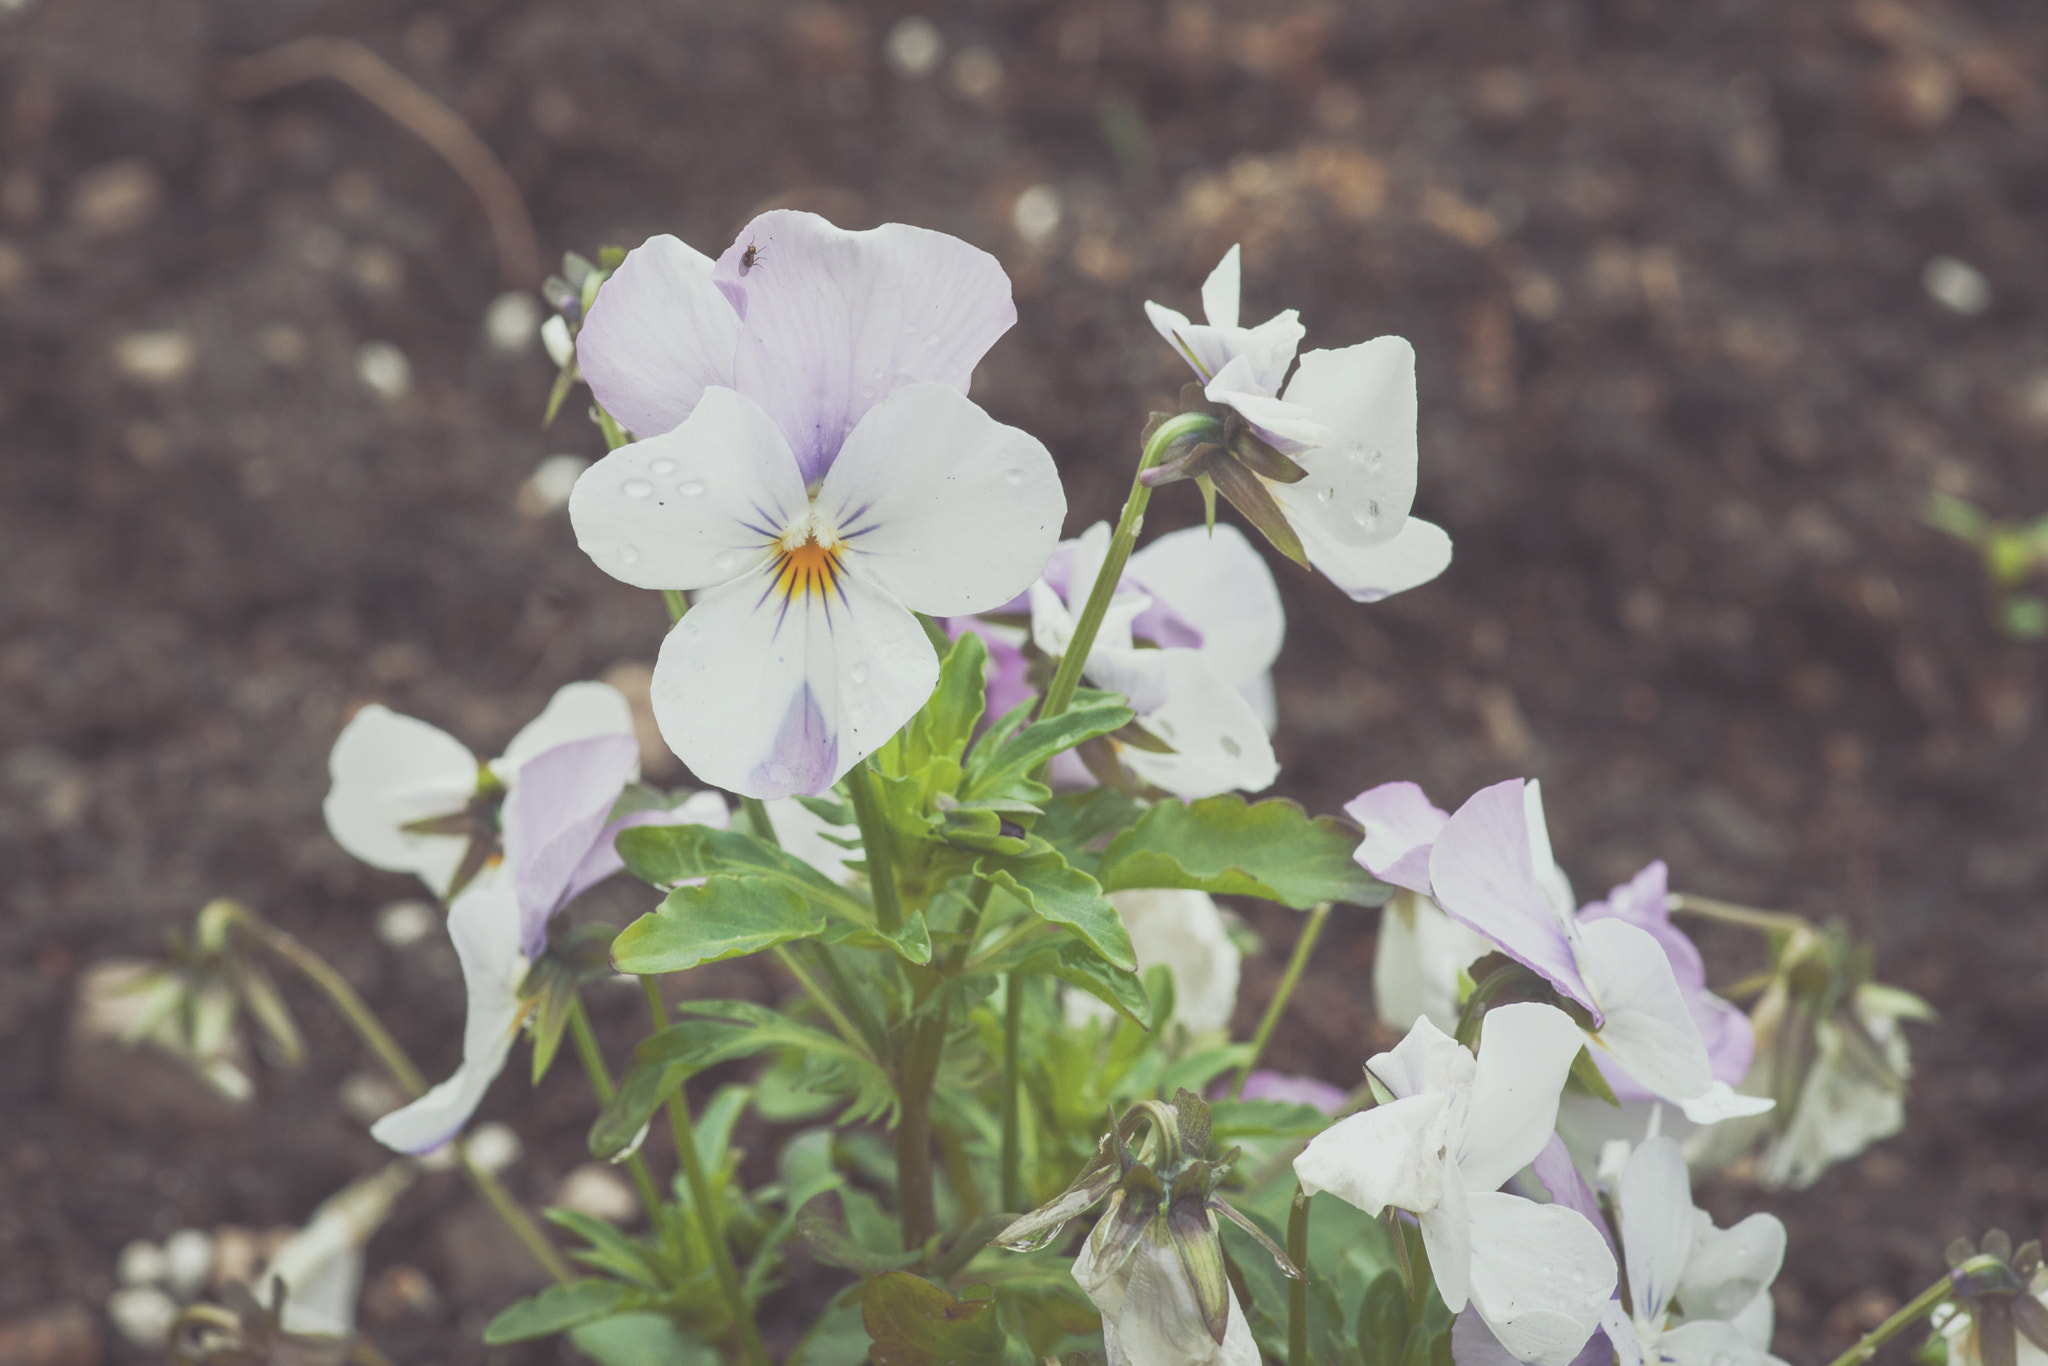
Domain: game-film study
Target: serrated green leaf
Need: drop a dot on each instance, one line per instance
(558, 1309)
(912, 941)
(726, 917)
(1271, 849)
(1006, 769)
(1078, 964)
(916, 1323)
(607, 1249)
(1073, 821)
(1065, 895)
(665, 855)
(939, 733)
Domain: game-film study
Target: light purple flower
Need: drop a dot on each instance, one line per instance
(559, 842)
(1263, 1085)
(810, 463)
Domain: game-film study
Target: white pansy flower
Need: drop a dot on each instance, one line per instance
(1347, 418)
(1451, 1133)
(1184, 931)
(1421, 956)
(391, 775)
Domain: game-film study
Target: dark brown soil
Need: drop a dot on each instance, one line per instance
(1684, 395)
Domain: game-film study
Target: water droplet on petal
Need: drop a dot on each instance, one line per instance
(725, 560)
(1377, 460)
(637, 488)
(1013, 477)
(1355, 453)
(1369, 515)
(629, 554)
(663, 467)
(859, 673)
(690, 488)
(1231, 747)
(1325, 494)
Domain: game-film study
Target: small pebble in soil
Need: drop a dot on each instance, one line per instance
(548, 487)
(1957, 286)
(494, 1146)
(384, 370)
(598, 1191)
(141, 1263)
(188, 1261)
(403, 924)
(143, 1315)
(512, 322)
(154, 359)
(914, 46)
(398, 1293)
(367, 1097)
(116, 198)
(1036, 214)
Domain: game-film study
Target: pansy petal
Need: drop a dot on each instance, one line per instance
(577, 711)
(1473, 1343)
(769, 694)
(1727, 1269)
(388, 770)
(1710, 1342)
(1541, 1276)
(553, 817)
(1218, 583)
(693, 507)
(1447, 1236)
(1401, 824)
(1426, 1060)
(658, 335)
(836, 321)
(1220, 290)
(1361, 481)
(1656, 1225)
(1641, 902)
(1270, 348)
(484, 923)
(1620, 1330)
(1418, 553)
(1183, 930)
(1415, 966)
(1525, 1052)
(1185, 337)
(1391, 1154)
(1483, 875)
(603, 860)
(1561, 1180)
(1219, 743)
(946, 508)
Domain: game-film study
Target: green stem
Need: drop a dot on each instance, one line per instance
(1310, 932)
(1013, 1093)
(1059, 694)
(917, 1069)
(757, 816)
(825, 1004)
(676, 603)
(700, 1195)
(378, 1039)
(1297, 1290)
(601, 1082)
(876, 847)
(1770, 922)
(1914, 1309)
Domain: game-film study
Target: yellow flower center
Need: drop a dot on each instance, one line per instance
(807, 558)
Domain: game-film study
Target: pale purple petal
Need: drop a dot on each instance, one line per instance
(1642, 901)
(1561, 1179)
(659, 334)
(553, 818)
(1008, 673)
(701, 808)
(1401, 825)
(834, 321)
(1210, 590)
(1264, 1085)
(1483, 874)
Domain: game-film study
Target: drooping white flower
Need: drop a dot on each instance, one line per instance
(1218, 739)
(810, 465)
(1348, 418)
(1183, 930)
(392, 775)
(1451, 1133)
(1151, 1314)
(2021, 1283)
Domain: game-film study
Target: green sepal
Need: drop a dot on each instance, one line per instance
(1271, 849)
(726, 917)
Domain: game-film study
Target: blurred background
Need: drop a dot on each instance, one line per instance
(1710, 301)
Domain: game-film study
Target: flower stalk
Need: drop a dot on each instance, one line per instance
(1915, 1309)
(1297, 1289)
(1296, 962)
(601, 1085)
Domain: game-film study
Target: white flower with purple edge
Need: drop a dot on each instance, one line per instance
(1348, 418)
(809, 465)
(1450, 1132)
(559, 838)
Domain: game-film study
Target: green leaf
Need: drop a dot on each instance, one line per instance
(941, 730)
(1075, 820)
(1272, 850)
(837, 1337)
(1383, 1318)
(821, 1223)
(912, 941)
(642, 1339)
(663, 1062)
(558, 1309)
(916, 1323)
(1065, 895)
(1077, 963)
(726, 917)
(665, 855)
(606, 1249)
(1231, 1120)
(1008, 767)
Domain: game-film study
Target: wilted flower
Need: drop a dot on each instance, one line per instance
(1154, 1263)
(1450, 1132)
(1326, 470)
(1999, 1316)
(810, 462)
(411, 798)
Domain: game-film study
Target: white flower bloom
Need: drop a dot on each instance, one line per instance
(1455, 1129)
(1183, 930)
(1216, 585)
(1347, 417)
(390, 771)
(1219, 741)
(1421, 955)
(320, 1268)
(1151, 1315)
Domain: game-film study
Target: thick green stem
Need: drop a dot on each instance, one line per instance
(1013, 1094)
(700, 1195)
(1915, 1309)
(876, 847)
(601, 1082)
(378, 1040)
(917, 1069)
(1310, 932)
(1297, 1290)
